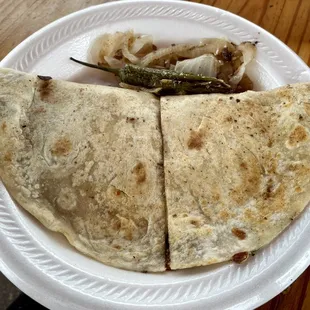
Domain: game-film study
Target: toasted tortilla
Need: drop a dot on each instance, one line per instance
(237, 171)
(86, 161)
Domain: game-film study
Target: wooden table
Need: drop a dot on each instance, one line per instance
(289, 20)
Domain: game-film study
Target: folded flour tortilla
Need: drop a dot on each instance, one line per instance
(86, 161)
(237, 171)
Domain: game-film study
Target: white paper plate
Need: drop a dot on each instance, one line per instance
(43, 265)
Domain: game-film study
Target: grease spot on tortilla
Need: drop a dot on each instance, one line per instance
(62, 147)
(195, 140)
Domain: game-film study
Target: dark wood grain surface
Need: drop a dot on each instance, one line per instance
(289, 20)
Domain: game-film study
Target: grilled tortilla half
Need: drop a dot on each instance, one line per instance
(237, 171)
(86, 161)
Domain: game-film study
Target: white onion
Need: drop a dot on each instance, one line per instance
(108, 44)
(207, 46)
(162, 52)
(140, 42)
(115, 49)
(248, 53)
(132, 58)
(206, 65)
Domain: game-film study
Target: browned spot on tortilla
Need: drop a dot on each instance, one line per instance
(195, 223)
(239, 233)
(299, 168)
(279, 198)
(268, 192)
(243, 165)
(128, 235)
(270, 143)
(140, 172)
(250, 179)
(116, 224)
(7, 156)
(195, 140)
(3, 126)
(224, 215)
(39, 110)
(276, 202)
(298, 189)
(45, 88)
(112, 213)
(271, 164)
(62, 147)
(307, 108)
(116, 246)
(249, 215)
(229, 119)
(299, 134)
(130, 119)
(143, 223)
(216, 196)
(240, 257)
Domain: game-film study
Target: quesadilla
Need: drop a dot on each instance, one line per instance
(86, 161)
(237, 171)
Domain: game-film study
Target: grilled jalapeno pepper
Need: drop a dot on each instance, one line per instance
(167, 82)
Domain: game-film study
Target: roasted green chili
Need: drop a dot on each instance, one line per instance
(168, 82)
